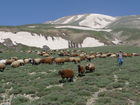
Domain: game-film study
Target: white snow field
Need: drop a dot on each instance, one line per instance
(84, 28)
(97, 21)
(36, 40)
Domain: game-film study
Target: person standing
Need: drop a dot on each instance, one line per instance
(120, 58)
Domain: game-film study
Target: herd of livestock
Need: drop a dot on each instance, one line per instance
(63, 56)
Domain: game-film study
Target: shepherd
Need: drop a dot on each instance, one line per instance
(120, 58)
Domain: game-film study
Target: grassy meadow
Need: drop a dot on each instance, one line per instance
(39, 84)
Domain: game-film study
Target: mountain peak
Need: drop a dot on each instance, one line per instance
(87, 20)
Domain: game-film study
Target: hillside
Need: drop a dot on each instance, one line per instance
(132, 21)
(38, 84)
(84, 30)
(45, 34)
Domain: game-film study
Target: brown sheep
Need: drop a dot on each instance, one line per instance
(129, 55)
(48, 60)
(77, 60)
(74, 55)
(59, 60)
(9, 61)
(90, 67)
(81, 70)
(2, 67)
(66, 73)
(67, 59)
(74, 59)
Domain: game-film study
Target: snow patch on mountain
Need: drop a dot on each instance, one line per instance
(97, 21)
(68, 20)
(78, 17)
(36, 40)
(116, 41)
(91, 42)
(84, 28)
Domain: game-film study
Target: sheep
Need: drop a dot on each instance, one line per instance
(74, 59)
(21, 61)
(59, 60)
(103, 56)
(89, 57)
(135, 54)
(9, 61)
(66, 73)
(74, 55)
(81, 70)
(15, 64)
(61, 53)
(98, 55)
(45, 55)
(40, 53)
(113, 55)
(82, 56)
(15, 58)
(36, 61)
(3, 61)
(67, 59)
(129, 55)
(27, 60)
(90, 67)
(2, 67)
(29, 51)
(48, 60)
(77, 60)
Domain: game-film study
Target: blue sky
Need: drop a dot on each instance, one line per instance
(20, 12)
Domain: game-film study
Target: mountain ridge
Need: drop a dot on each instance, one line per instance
(75, 30)
(88, 20)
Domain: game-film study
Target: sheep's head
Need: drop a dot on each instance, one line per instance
(78, 66)
(60, 72)
(87, 66)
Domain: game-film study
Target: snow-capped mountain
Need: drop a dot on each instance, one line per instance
(87, 20)
(85, 30)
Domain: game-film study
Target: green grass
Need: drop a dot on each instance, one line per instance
(78, 92)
